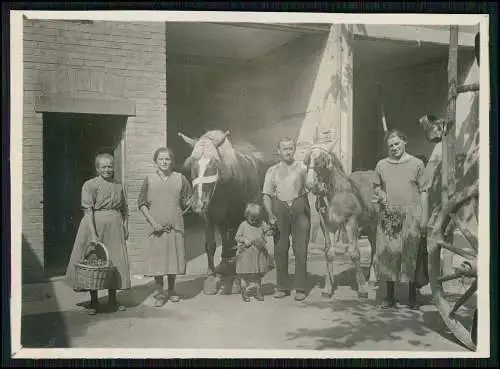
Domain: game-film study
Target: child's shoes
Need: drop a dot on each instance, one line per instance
(244, 295)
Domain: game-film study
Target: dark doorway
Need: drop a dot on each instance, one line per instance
(71, 142)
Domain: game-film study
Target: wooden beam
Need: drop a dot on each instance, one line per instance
(283, 27)
(416, 33)
(56, 104)
(448, 163)
(183, 59)
(468, 88)
(412, 33)
(448, 142)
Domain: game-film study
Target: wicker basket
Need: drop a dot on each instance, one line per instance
(93, 277)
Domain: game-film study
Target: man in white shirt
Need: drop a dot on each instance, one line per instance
(285, 200)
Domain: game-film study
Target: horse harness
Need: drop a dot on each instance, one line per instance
(323, 203)
(201, 179)
(323, 198)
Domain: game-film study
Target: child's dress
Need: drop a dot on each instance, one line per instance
(252, 259)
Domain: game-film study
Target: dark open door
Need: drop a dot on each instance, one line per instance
(71, 143)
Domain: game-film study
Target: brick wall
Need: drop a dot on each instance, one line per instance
(105, 60)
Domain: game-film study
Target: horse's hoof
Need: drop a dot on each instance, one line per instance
(244, 296)
(235, 285)
(236, 289)
(363, 295)
(210, 286)
(224, 291)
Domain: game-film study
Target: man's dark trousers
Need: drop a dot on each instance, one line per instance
(294, 220)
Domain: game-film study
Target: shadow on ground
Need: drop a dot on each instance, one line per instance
(33, 271)
(43, 330)
(56, 329)
(366, 322)
(313, 281)
(187, 289)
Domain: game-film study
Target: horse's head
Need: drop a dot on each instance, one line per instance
(322, 165)
(205, 167)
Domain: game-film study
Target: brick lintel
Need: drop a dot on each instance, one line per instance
(52, 104)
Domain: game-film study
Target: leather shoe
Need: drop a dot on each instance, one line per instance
(280, 294)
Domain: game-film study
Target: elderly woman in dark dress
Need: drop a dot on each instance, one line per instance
(163, 196)
(105, 220)
(401, 190)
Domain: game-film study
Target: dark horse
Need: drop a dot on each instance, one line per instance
(225, 179)
(345, 206)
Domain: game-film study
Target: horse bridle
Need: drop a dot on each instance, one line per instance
(309, 168)
(200, 180)
(323, 198)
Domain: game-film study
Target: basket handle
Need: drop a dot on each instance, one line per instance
(105, 251)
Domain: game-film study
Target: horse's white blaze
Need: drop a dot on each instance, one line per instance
(202, 165)
(311, 178)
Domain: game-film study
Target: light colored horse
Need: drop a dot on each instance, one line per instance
(344, 204)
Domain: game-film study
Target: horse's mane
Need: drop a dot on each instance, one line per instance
(338, 181)
(324, 151)
(234, 160)
(326, 156)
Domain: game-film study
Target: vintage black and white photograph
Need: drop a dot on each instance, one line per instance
(237, 184)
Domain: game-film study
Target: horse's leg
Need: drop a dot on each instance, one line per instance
(351, 228)
(372, 237)
(329, 258)
(210, 245)
(228, 263)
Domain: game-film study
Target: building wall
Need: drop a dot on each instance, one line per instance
(269, 98)
(407, 93)
(104, 60)
(259, 101)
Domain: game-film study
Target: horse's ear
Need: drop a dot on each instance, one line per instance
(190, 141)
(221, 141)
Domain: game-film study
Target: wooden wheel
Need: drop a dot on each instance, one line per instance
(453, 264)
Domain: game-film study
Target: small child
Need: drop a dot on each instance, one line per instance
(253, 260)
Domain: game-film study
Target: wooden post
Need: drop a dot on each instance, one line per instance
(382, 110)
(448, 159)
(448, 143)
(346, 84)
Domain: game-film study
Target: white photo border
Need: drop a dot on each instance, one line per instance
(16, 87)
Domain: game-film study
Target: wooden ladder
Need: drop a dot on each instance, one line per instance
(448, 184)
(448, 179)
